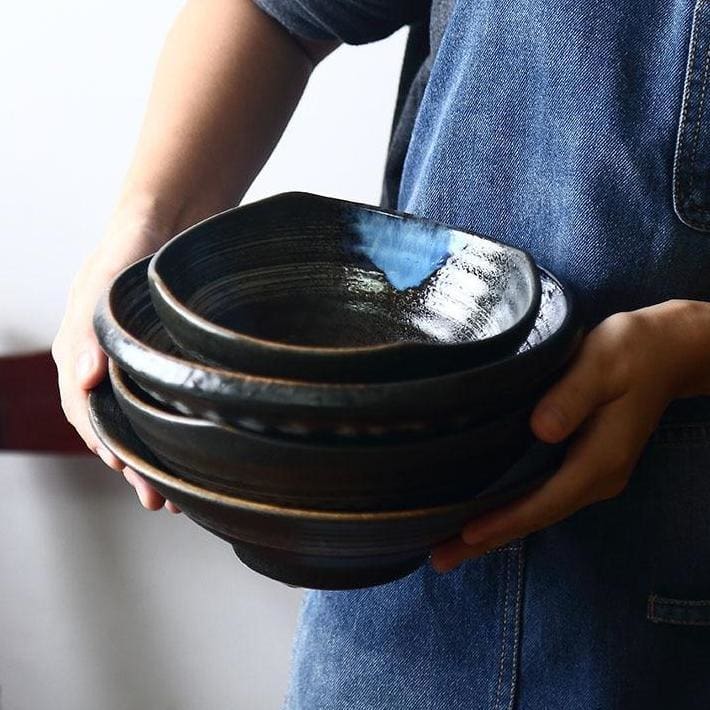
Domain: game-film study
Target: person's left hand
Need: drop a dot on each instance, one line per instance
(626, 372)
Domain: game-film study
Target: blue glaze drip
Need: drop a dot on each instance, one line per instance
(407, 253)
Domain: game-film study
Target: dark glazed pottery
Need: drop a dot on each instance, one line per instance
(130, 332)
(320, 549)
(349, 476)
(306, 287)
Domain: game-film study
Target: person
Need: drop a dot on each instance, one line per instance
(580, 132)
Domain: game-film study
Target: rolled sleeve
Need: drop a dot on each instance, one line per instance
(348, 21)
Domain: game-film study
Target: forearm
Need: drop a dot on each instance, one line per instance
(225, 87)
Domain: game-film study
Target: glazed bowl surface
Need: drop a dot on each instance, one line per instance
(131, 333)
(351, 475)
(306, 287)
(314, 548)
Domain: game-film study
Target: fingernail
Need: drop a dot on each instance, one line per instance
(84, 364)
(128, 475)
(482, 538)
(551, 420)
(135, 481)
(438, 566)
(473, 537)
(105, 455)
(476, 532)
(444, 567)
(141, 497)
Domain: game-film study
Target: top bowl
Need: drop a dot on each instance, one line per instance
(312, 288)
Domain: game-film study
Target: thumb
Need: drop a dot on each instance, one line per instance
(584, 387)
(90, 363)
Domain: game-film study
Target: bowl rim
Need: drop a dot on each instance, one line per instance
(151, 471)
(178, 374)
(123, 393)
(162, 290)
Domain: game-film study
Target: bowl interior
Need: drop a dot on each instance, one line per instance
(131, 307)
(299, 270)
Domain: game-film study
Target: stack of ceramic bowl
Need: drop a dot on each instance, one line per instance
(332, 388)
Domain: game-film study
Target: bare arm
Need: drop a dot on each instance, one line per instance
(225, 87)
(227, 82)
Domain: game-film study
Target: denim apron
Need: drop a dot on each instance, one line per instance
(579, 131)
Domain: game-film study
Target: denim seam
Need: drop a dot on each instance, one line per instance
(678, 426)
(681, 602)
(504, 634)
(653, 615)
(681, 444)
(680, 142)
(698, 122)
(682, 435)
(685, 174)
(517, 630)
(288, 698)
(497, 550)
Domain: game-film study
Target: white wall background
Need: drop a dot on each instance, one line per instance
(103, 605)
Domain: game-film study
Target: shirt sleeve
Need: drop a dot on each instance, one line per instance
(348, 21)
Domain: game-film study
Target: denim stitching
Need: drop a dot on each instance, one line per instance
(295, 648)
(682, 435)
(684, 177)
(504, 640)
(699, 120)
(653, 615)
(517, 624)
(681, 602)
(680, 142)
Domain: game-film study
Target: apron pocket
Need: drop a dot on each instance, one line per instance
(691, 168)
(683, 612)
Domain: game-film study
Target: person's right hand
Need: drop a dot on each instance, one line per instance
(81, 364)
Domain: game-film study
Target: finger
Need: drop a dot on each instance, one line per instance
(169, 505)
(596, 467)
(450, 554)
(585, 386)
(148, 496)
(75, 375)
(77, 413)
(76, 409)
(90, 364)
(108, 458)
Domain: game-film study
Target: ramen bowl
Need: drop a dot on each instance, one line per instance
(310, 547)
(352, 475)
(306, 287)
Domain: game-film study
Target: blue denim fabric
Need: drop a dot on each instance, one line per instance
(609, 610)
(558, 134)
(425, 642)
(579, 131)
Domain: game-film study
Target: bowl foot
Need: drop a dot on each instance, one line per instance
(321, 572)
